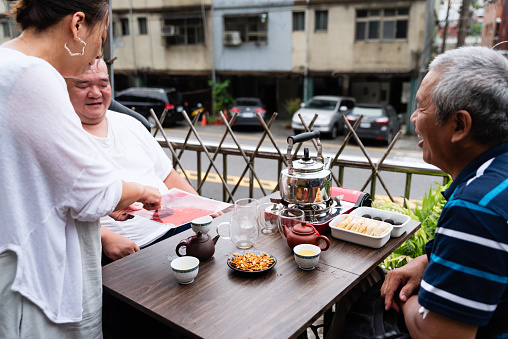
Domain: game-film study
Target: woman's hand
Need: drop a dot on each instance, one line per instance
(132, 192)
(151, 198)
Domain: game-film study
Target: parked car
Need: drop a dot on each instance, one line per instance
(247, 109)
(141, 99)
(329, 109)
(379, 122)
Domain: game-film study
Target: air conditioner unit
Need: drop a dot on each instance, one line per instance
(170, 30)
(232, 38)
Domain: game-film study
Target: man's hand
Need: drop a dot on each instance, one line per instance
(122, 214)
(116, 246)
(216, 214)
(406, 278)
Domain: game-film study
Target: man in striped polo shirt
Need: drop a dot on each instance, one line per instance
(459, 289)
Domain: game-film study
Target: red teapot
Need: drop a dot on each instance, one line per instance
(304, 233)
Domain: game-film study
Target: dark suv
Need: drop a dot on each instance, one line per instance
(379, 122)
(141, 99)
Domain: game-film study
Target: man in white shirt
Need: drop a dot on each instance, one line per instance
(134, 153)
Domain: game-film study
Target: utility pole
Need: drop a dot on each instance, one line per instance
(445, 31)
(108, 49)
(306, 93)
(463, 22)
(424, 59)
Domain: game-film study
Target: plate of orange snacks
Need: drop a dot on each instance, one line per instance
(251, 261)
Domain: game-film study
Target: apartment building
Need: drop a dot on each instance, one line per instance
(495, 27)
(272, 49)
(7, 27)
(366, 49)
(276, 50)
(161, 43)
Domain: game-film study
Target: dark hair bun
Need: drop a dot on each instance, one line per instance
(42, 14)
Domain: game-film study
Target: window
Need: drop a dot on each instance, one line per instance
(5, 28)
(382, 24)
(143, 29)
(321, 21)
(298, 21)
(124, 22)
(253, 28)
(184, 31)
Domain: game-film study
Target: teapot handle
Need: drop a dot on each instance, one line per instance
(327, 241)
(301, 138)
(304, 137)
(182, 243)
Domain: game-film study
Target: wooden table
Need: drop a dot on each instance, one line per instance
(222, 303)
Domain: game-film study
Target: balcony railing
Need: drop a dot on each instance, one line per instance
(216, 156)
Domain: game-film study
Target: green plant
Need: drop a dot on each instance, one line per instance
(427, 213)
(292, 105)
(222, 100)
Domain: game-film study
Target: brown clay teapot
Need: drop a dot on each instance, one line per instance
(200, 246)
(304, 233)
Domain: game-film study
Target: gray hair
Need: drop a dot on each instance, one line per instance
(474, 79)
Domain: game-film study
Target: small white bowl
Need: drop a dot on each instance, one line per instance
(202, 225)
(185, 269)
(309, 260)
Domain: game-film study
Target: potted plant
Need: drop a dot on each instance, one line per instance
(222, 100)
(291, 106)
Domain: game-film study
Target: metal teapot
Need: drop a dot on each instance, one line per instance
(305, 181)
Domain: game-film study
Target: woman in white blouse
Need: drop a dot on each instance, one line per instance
(54, 186)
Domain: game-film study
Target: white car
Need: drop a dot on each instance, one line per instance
(329, 110)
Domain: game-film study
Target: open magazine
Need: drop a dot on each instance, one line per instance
(179, 207)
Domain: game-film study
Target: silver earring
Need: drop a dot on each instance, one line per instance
(75, 54)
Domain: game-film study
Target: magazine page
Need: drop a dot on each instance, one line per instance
(180, 207)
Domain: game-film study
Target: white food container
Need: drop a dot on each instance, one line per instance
(397, 230)
(355, 237)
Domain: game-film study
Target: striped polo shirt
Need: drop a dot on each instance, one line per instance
(466, 278)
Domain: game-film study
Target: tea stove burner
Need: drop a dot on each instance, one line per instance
(317, 213)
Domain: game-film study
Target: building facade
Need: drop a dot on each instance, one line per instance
(276, 50)
(165, 44)
(495, 27)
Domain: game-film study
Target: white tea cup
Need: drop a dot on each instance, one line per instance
(185, 269)
(307, 256)
(202, 225)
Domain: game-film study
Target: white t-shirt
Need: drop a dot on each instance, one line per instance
(138, 157)
(52, 175)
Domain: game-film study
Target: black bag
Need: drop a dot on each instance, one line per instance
(368, 319)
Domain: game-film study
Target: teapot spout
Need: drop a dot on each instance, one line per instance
(215, 239)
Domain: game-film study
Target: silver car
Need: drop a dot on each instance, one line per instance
(329, 110)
